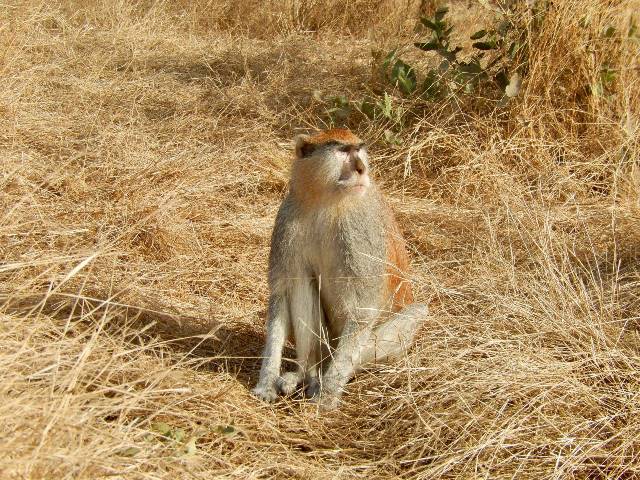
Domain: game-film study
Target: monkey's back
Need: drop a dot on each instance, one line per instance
(398, 287)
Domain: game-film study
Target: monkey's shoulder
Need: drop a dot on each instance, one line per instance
(285, 237)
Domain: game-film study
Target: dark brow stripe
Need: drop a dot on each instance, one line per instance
(331, 143)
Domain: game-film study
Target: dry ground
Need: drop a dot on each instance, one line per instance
(144, 149)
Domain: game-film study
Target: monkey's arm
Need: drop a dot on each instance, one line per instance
(277, 331)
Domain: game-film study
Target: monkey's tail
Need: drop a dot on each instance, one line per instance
(391, 340)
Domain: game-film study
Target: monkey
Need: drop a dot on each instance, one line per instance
(336, 274)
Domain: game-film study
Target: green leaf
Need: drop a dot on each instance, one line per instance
(470, 68)
(161, 428)
(478, 35)
(368, 108)
(392, 138)
(607, 76)
(441, 12)
(404, 76)
(178, 434)
(339, 109)
(407, 85)
(444, 67)
(190, 447)
(229, 431)
(387, 106)
(225, 429)
(386, 62)
(128, 452)
(503, 27)
(450, 55)
(428, 46)
(340, 101)
(431, 85)
(470, 74)
(484, 45)
(597, 89)
(429, 24)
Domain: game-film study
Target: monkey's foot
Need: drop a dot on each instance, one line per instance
(288, 382)
(326, 403)
(265, 393)
(312, 389)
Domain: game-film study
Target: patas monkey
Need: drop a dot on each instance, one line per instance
(335, 273)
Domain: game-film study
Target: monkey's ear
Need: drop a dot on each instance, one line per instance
(303, 147)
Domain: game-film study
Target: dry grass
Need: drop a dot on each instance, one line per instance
(144, 150)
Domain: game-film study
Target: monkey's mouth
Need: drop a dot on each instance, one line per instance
(356, 185)
(357, 188)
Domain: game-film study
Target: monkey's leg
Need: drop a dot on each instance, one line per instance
(345, 361)
(391, 340)
(362, 345)
(306, 314)
(277, 331)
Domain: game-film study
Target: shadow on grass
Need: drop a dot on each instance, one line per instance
(234, 348)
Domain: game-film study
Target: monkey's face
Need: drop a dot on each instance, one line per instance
(332, 167)
(353, 163)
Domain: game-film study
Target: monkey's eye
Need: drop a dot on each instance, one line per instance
(345, 148)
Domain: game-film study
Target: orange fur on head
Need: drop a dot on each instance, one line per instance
(342, 135)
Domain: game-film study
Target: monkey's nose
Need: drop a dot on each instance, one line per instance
(359, 166)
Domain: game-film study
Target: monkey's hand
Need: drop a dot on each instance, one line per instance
(266, 393)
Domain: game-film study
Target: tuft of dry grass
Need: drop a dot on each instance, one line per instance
(144, 150)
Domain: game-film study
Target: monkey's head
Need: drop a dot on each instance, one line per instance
(331, 164)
